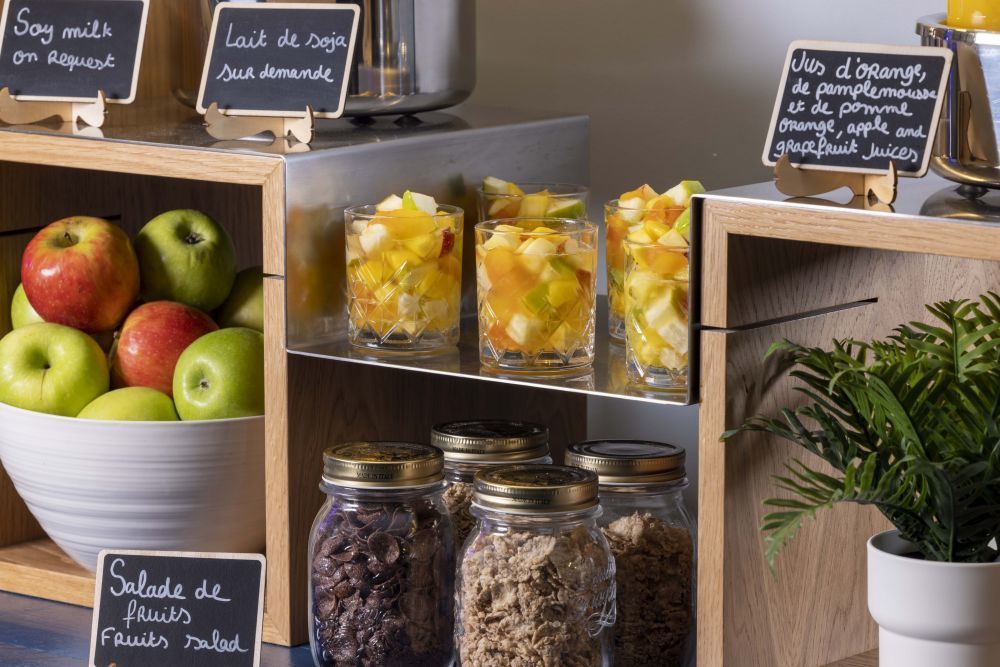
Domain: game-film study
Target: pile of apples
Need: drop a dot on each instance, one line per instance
(96, 313)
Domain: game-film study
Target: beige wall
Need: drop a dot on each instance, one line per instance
(675, 89)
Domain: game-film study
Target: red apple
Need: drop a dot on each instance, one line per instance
(152, 339)
(81, 272)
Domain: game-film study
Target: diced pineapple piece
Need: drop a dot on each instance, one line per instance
(371, 274)
(508, 240)
(375, 238)
(427, 246)
(640, 236)
(655, 228)
(400, 259)
(561, 292)
(405, 224)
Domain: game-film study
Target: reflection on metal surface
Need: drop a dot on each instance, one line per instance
(859, 202)
(963, 203)
(411, 55)
(966, 148)
(447, 163)
(604, 379)
(280, 146)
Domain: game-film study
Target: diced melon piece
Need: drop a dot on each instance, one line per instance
(567, 208)
(673, 239)
(499, 262)
(534, 206)
(390, 203)
(522, 328)
(414, 201)
(561, 292)
(683, 224)
(538, 246)
(375, 238)
(683, 191)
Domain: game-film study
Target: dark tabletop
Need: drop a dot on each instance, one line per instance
(39, 633)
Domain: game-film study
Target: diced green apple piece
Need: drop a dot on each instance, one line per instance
(572, 209)
(537, 246)
(537, 299)
(522, 328)
(631, 210)
(683, 225)
(683, 191)
(414, 201)
(375, 238)
(495, 186)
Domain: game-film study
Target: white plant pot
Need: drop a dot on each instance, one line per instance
(187, 486)
(932, 614)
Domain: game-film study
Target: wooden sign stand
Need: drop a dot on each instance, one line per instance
(223, 126)
(796, 182)
(17, 112)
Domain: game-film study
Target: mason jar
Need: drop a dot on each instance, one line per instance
(473, 445)
(382, 559)
(536, 581)
(652, 538)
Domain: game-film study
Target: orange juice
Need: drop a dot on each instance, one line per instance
(974, 14)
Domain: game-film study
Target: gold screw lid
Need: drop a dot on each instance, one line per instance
(629, 461)
(382, 465)
(529, 488)
(491, 440)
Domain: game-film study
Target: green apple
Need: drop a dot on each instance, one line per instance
(573, 209)
(245, 305)
(186, 256)
(221, 375)
(683, 191)
(21, 311)
(51, 368)
(131, 404)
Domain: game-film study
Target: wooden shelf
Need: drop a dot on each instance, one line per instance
(869, 659)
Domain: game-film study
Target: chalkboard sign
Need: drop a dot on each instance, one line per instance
(856, 107)
(277, 59)
(163, 609)
(68, 50)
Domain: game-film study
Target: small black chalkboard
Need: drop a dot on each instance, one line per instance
(164, 609)
(277, 59)
(856, 107)
(68, 50)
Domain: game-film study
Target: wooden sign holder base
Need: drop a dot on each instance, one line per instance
(17, 112)
(222, 126)
(795, 182)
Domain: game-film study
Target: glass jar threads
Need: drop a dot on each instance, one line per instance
(536, 581)
(473, 445)
(652, 537)
(382, 558)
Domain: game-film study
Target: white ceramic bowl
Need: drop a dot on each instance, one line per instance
(179, 486)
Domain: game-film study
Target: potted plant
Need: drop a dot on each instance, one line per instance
(910, 425)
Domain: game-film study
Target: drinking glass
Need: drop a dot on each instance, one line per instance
(538, 200)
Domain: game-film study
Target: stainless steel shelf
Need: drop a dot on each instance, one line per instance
(606, 378)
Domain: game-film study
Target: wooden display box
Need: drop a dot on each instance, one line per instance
(157, 158)
(808, 270)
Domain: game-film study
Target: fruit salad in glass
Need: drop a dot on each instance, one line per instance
(536, 286)
(656, 319)
(404, 274)
(643, 216)
(502, 199)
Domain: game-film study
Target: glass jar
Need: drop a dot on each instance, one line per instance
(404, 278)
(652, 537)
(382, 559)
(536, 581)
(537, 294)
(473, 445)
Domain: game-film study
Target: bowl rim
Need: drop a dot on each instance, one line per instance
(165, 424)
